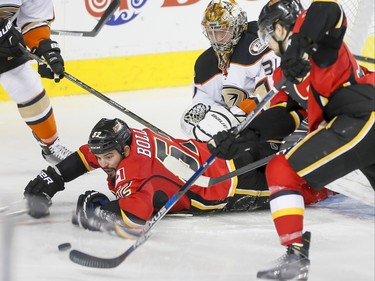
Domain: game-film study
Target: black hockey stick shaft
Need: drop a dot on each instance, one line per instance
(365, 59)
(97, 262)
(252, 166)
(102, 21)
(102, 97)
(240, 171)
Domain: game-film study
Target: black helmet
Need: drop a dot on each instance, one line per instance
(284, 12)
(109, 134)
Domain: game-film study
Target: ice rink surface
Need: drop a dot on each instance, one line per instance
(223, 247)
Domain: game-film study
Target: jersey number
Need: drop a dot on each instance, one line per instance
(189, 160)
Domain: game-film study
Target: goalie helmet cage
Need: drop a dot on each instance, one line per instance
(360, 33)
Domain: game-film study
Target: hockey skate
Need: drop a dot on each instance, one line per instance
(53, 153)
(294, 265)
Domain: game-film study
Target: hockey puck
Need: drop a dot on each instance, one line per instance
(64, 246)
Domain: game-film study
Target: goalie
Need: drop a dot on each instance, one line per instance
(231, 76)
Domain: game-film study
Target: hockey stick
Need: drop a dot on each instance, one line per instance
(181, 170)
(184, 172)
(18, 204)
(100, 96)
(365, 59)
(102, 21)
(97, 262)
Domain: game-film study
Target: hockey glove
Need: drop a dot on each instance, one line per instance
(294, 64)
(39, 191)
(86, 205)
(50, 51)
(215, 119)
(10, 38)
(227, 146)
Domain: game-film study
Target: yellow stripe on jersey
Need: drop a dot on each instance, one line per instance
(129, 222)
(342, 149)
(296, 118)
(83, 159)
(201, 206)
(308, 136)
(234, 180)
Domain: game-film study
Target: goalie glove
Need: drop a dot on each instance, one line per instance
(202, 121)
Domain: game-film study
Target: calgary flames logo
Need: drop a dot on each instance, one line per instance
(128, 10)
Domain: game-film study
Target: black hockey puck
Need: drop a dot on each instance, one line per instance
(64, 246)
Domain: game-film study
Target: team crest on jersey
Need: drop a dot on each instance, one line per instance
(257, 47)
(124, 190)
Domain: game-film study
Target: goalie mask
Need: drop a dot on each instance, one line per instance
(284, 12)
(223, 24)
(109, 134)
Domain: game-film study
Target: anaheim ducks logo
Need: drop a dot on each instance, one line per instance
(257, 46)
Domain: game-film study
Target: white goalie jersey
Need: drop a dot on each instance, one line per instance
(217, 97)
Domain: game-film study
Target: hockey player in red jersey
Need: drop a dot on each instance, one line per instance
(19, 79)
(133, 161)
(340, 113)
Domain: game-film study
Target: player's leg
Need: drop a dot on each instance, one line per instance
(322, 157)
(23, 85)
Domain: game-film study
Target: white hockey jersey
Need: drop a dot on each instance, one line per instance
(29, 14)
(251, 66)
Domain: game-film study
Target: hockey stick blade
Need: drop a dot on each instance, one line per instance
(102, 21)
(87, 260)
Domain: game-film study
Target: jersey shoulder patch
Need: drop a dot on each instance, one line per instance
(250, 48)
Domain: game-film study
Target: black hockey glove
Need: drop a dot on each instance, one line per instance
(86, 215)
(102, 215)
(293, 62)
(50, 51)
(10, 38)
(39, 191)
(227, 146)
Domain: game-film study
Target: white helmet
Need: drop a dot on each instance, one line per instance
(223, 23)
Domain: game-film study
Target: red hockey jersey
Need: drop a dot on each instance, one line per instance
(142, 179)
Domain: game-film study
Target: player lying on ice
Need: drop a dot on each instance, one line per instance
(133, 161)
